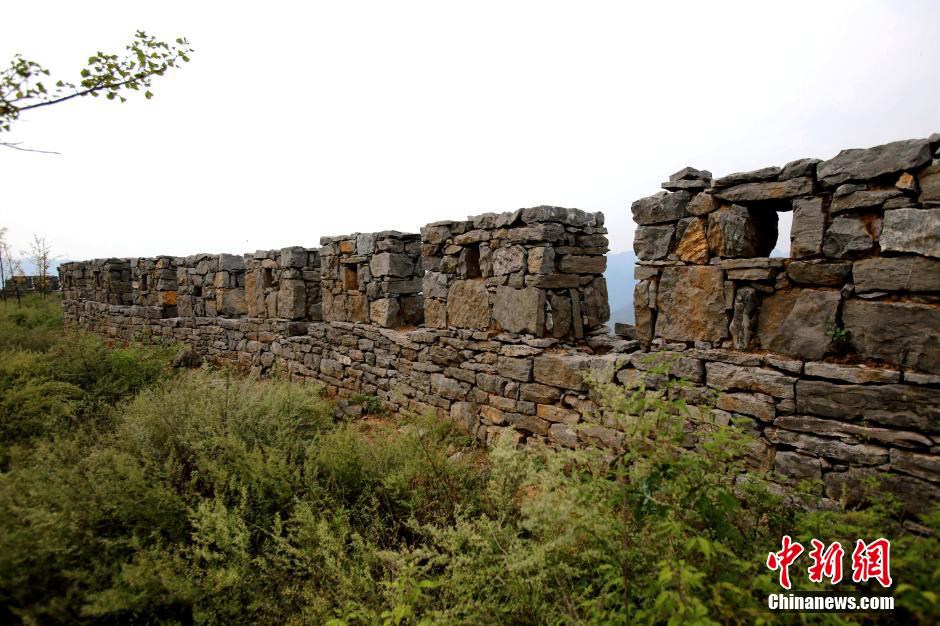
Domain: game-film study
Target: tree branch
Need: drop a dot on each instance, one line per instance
(16, 146)
(84, 92)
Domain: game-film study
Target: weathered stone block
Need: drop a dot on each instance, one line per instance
(702, 204)
(595, 305)
(691, 304)
(737, 378)
(747, 404)
(929, 182)
(800, 167)
(389, 264)
(520, 310)
(561, 370)
(898, 332)
(838, 449)
(230, 302)
(385, 312)
(906, 273)
(809, 223)
(900, 406)
(292, 299)
(846, 236)
(515, 368)
(688, 178)
(508, 260)
(770, 190)
(435, 313)
(796, 322)
(912, 230)
(819, 273)
(738, 178)
(541, 260)
(693, 246)
(582, 264)
(558, 322)
(468, 305)
(661, 207)
(858, 374)
(797, 466)
(863, 199)
(651, 243)
(920, 465)
(553, 413)
(563, 435)
(866, 164)
(860, 433)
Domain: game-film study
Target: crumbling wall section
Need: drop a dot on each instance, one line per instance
(284, 284)
(537, 271)
(154, 283)
(372, 278)
(828, 357)
(831, 355)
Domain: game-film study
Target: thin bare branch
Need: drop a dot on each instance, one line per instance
(17, 146)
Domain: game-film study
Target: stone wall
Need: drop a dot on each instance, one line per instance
(862, 284)
(829, 358)
(283, 284)
(537, 271)
(372, 277)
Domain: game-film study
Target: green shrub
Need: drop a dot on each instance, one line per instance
(34, 325)
(131, 496)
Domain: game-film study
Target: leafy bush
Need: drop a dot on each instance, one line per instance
(34, 325)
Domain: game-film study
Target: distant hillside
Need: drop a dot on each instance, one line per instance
(620, 285)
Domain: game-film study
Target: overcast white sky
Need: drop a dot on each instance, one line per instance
(297, 120)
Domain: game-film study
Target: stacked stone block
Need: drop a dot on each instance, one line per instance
(154, 283)
(284, 284)
(863, 278)
(100, 280)
(212, 285)
(75, 285)
(535, 271)
(372, 278)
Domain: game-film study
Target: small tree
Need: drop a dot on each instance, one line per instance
(22, 85)
(40, 255)
(14, 271)
(3, 269)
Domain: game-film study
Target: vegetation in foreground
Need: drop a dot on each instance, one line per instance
(133, 493)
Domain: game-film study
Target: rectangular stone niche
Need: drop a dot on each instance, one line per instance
(372, 278)
(535, 271)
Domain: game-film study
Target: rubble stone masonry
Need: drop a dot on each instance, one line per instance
(830, 357)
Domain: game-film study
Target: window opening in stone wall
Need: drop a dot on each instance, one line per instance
(784, 225)
(197, 292)
(469, 263)
(96, 279)
(143, 282)
(350, 277)
(267, 277)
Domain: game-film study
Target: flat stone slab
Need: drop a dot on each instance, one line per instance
(905, 273)
(868, 163)
(904, 333)
(900, 406)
